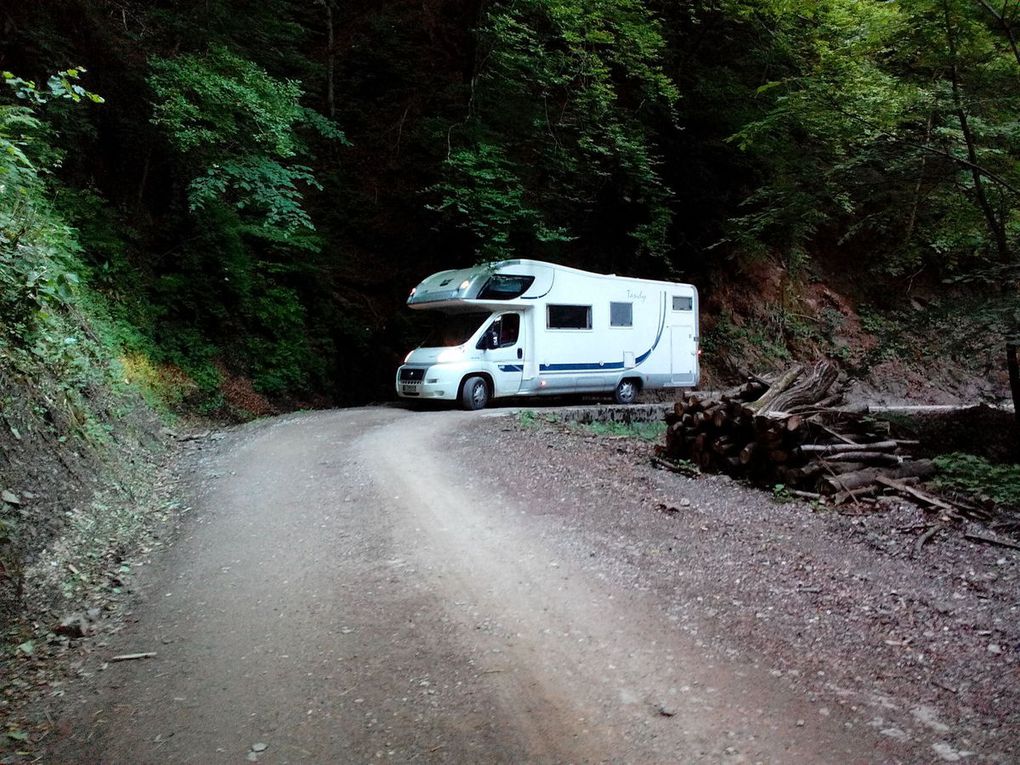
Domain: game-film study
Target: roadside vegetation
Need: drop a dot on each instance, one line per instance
(979, 478)
(76, 437)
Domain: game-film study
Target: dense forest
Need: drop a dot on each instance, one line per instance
(224, 202)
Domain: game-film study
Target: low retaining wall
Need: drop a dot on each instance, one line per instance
(609, 413)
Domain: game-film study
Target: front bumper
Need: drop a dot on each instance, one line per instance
(426, 383)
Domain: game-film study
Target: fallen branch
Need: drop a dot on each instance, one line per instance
(861, 478)
(916, 494)
(805, 494)
(987, 539)
(867, 458)
(133, 656)
(923, 539)
(674, 467)
(825, 403)
(849, 446)
(834, 434)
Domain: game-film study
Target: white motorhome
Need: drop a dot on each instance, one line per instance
(527, 328)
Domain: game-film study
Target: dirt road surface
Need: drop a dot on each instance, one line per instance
(380, 585)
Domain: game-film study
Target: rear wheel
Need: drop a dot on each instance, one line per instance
(626, 392)
(475, 393)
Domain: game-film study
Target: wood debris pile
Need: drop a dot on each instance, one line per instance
(794, 432)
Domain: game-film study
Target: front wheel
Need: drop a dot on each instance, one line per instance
(626, 392)
(475, 393)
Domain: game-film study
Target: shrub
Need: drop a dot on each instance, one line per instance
(977, 476)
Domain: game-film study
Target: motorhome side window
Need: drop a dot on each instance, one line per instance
(683, 303)
(502, 333)
(505, 287)
(568, 317)
(621, 314)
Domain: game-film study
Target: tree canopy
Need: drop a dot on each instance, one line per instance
(252, 187)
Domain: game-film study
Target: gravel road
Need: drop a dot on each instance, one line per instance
(445, 587)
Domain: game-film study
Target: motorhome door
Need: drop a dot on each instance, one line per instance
(503, 344)
(683, 344)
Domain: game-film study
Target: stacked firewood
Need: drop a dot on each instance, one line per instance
(793, 432)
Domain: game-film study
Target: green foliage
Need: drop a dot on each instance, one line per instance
(644, 431)
(967, 328)
(747, 345)
(979, 477)
(262, 184)
(222, 301)
(829, 113)
(37, 268)
(235, 291)
(54, 324)
(532, 420)
(281, 357)
(486, 193)
(889, 122)
(559, 126)
(237, 127)
(63, 84)
(781, 493)
(890, 331)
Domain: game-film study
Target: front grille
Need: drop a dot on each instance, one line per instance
(411, 375)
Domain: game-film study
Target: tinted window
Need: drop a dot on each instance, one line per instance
(509, 328)
(505, 330)
(621, 314)
(683, 303)
(569, 317)
(505, 287)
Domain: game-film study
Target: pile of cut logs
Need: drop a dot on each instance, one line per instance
(795, 433)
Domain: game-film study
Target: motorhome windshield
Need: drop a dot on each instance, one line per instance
(450, 329)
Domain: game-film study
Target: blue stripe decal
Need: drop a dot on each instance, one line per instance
(579, 367)
(662, 323)
(511, 367)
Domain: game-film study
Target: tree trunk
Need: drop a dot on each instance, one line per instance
(997, 227)
(1006, 27)
(912, 219)
(790, 392)
(1014, 378)
(1014, 386)
(330, 59)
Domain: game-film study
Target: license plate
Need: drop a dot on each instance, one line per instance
(410, 389)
